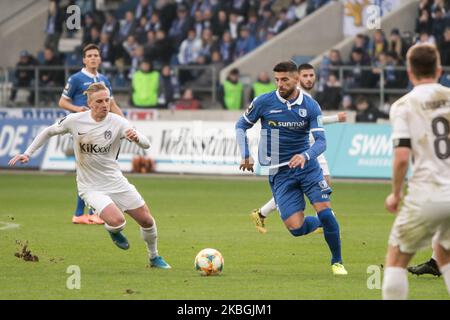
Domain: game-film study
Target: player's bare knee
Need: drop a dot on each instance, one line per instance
(320, 206)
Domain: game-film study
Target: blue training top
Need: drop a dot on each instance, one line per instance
(78, 83)
(285, 128)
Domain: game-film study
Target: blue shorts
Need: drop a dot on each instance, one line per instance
(290, 185)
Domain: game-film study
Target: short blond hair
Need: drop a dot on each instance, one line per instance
(95, 87)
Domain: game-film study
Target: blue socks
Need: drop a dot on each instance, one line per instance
(309, 225)
(79, 211)
(331, 233)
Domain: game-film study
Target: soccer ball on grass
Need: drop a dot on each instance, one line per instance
(209, 262)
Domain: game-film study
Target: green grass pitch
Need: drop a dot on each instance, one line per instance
(192, 213)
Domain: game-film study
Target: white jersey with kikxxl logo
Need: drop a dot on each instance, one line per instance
(423, 116)
(96, 146)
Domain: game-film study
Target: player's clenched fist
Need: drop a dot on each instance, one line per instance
(297, 161)
(392, 203)
(131, 135)
(23, 158)
(247, 164)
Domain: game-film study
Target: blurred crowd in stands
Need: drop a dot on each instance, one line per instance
(155, 37)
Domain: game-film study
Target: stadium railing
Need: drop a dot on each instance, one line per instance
(121, 82)
(119, 78)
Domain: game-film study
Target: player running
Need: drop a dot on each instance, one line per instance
(307, 81)
(74, 99)
(420, 130)
(290, 115)
(97, 136)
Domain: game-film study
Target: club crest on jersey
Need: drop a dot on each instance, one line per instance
(108, 134)
(302, 112)
(323, 184)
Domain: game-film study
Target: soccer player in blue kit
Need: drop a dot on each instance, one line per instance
(74, 99)
(287, 117)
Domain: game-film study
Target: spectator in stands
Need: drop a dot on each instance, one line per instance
(89, 24)
(167, 13)
(365, 112)
(155, 22)
(424, 22)
(253, 23)
(50, 78)
(357, 77)
(220, 24)
(234, 25)
(205, 78)
(208, 44)
(140, 33)
(397, 44)
(245, 43)
(445, 48)
(281, 23)
(127, 26)
(425, 37)
(227, 47)
(187, 101)
(347, 103)
(267, 22)
(190, 49)
(106, 50)
(129, 45)
(197, 23)
(169, 87)
(180, 26)
(378, 44)
(54, 25)
(94, 36)
(231, 93)
(331, 96)
(387, 61)
(136, 58)
(143, 9)
(263, 5)
(162, 51)
(296, 10)
(200, 5)
(439, 24)
(111, 27)
(329, 63)
(207, 19)
(361, 42)
(241, 8)
(23, 78)
(263, 84)
(145, 86)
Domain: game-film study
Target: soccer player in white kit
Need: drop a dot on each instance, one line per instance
(97, 136)
(421, 132)
(307, 78)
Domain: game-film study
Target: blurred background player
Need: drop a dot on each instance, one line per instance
(290, 116)
(307, 80)
(420, 130)
(97, 136)
(74, 99)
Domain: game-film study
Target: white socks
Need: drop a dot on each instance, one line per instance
(268, 207)
(395, 283)
(150, 236)
(445, 270)
(115, 229)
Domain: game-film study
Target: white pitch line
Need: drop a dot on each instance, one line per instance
(8, 225)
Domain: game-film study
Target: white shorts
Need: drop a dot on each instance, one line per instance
(124, 200)
(424, 218)
(324, 165)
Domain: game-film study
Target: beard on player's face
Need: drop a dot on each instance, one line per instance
(307, 85)
(285, 93)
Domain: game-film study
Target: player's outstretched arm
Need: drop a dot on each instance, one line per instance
(339, 117)
(133, 135)
(38, 142)
(23, 158)
(67, 105)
